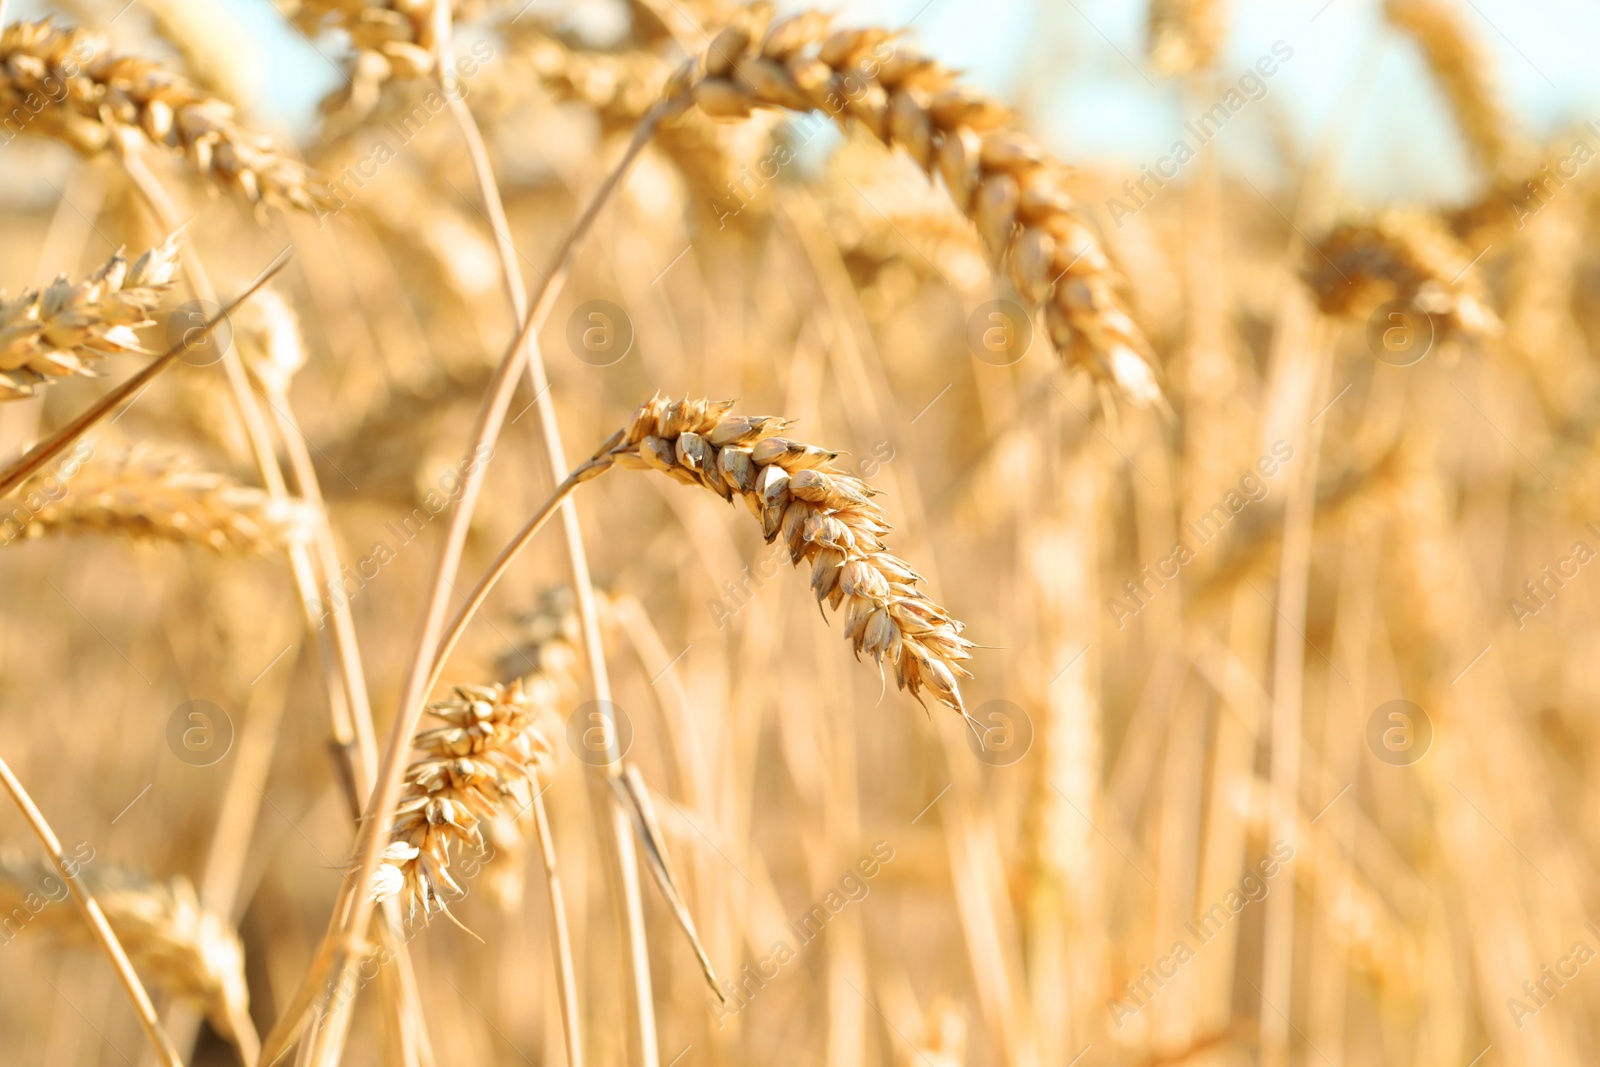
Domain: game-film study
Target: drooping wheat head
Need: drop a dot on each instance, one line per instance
(1002, 179)
(826, 518)
(494, 737)
(69, 84)
(64, 328)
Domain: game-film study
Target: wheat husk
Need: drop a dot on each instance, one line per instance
(93, 98)
(65, 328)
(1401, 255)
(494, 738)
(826, 518)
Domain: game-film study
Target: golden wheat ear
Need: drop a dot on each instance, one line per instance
(1013, 191)
(122, 103)
(67, 327)
(826, 518)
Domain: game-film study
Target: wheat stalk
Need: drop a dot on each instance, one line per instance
(826, 518)
(94, 915)
(1002, 179)
(64, 328)
(77, 89)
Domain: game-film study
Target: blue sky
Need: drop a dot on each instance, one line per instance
(1076, 69)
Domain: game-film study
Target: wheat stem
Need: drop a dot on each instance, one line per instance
(96, 919)
(577, 556)
(354, 909)
(561, 934)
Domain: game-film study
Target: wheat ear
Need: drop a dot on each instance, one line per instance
(96, 99)
(493, 736)
(99, 927)
(1400, 255)
(826, 518)
(64, 328)
(186, 950)
(150, 496)
(1002, 179)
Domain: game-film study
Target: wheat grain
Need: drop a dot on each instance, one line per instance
(62, 329)
(73, 87)
(1002, 179)
(826, 519)
(150, 496)
(494, 736)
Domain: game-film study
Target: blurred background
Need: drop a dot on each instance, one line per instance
(1285, 677)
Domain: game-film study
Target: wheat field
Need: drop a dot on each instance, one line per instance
(1146, 619)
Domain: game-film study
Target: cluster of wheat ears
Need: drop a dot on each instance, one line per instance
(1244, 582)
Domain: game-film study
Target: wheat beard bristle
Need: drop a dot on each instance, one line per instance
(1001, 178)
(826, 518)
